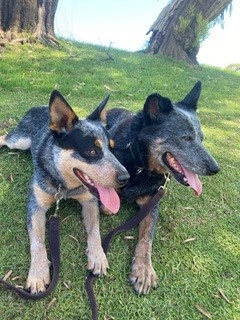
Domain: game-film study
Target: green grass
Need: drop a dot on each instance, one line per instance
(189, 273)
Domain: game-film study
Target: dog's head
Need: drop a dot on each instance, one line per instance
(83, 151)
(175, 138)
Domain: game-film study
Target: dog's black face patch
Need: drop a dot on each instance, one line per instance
(87, 146)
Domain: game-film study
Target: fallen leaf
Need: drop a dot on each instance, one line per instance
(66, 285)
(10, 177)
(188, 240)
(51, 303)
(203, 311)
(129, 237)
(63, 220)
(74, 238)
(108, 88)
(7, 275)
(16, 278)
(223, 295)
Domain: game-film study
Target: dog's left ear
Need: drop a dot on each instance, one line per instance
(192, 97)
(99, 114)
(61, 116)
(155, 106)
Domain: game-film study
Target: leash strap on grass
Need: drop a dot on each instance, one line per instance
(130, 224)
(55, 256)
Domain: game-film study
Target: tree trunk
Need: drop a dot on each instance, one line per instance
(26, 20)
(182, 25)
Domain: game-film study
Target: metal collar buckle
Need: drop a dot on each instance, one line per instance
(139, 170)
(167, 179)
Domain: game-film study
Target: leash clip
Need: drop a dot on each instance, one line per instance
(59, 195)
(167, 179)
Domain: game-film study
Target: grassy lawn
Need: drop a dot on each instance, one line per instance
(203, 272)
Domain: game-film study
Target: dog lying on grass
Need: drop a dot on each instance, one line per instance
(164, 137)
(71, 157)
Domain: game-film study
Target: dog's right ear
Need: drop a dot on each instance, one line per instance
(155, 106)
(61, 116)
(99, 114)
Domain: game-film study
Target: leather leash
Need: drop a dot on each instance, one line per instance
(54, 244)
(130, 224)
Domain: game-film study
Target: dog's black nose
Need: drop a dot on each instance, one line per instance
(123, 178)
(214, 169)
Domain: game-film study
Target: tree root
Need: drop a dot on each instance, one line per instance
(46, 39)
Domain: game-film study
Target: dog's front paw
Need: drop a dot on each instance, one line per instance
(97, 261)
(143, 277)
(38, 277)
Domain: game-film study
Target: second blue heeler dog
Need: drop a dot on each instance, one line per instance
(164, 137)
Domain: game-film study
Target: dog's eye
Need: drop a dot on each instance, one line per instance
(92, 152)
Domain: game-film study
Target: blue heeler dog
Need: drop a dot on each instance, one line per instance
(73, 156)
(162, 138)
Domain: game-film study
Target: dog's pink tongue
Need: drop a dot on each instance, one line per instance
(193, 181)
(109, 198)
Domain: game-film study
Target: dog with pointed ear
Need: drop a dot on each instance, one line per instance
(155, 106)
(71, 156)
(164, 137)
(62, 118)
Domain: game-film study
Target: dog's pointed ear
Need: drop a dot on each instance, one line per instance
(99, 114)
(192, 97)
(61, 116)
(155, 106)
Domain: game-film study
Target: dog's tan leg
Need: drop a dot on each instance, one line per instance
(38, 276)
(97, 261)
(143, 277)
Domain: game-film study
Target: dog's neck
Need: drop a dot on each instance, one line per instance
(137, 156)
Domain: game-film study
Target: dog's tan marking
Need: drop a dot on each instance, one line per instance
(44, 199)
(112, 143)
(2, 141)
(105, 174)
(61, 115)
(98, 143)
(143, 276)
(85, 196)
(103, 115)
(155, 166)
(38, 276)
(143, 200)
(97, 260)
(65, 163)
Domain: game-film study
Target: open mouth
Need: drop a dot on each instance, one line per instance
(107, 195)
(85, 179)
(182, 174)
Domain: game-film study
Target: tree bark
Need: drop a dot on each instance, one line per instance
(26, 20)
(182, 25)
